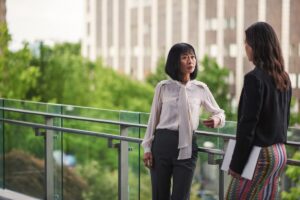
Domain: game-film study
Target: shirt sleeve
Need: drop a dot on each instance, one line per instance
(153, 119)
(251, 104)
(211, 106)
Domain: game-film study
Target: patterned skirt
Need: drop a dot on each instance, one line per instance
(264, 185)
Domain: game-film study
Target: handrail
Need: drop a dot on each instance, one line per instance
(123, 137)
(71, 130)
(124, 124)
(87, 119)
(112, 136)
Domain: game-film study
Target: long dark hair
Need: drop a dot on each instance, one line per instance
(172, 67)
(267, 54)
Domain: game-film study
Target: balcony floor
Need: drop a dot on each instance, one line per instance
(11, 195)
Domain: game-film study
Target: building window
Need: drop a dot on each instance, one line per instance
(88, 51)
(231, 80)
(112, 51)
(232, 50)
(213, 51)
(211, 24)
(293, 50)
(232, 23)
(226, 51)
(229, 23)
(146, 29)
(135, 3)
(88, 29)
(293, 78)
(88, 6)
(136, 51)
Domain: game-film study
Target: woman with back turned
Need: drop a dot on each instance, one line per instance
(263, 117)
(170, 149)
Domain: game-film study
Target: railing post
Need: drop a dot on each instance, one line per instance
(213, 161)
(2, 143)
(123, 166)
(221, 181)
(49, 161)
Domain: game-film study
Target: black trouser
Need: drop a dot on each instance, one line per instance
(166, 165)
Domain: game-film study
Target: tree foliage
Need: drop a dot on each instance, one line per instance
(17, 75)
(216, 78)
(293, 172)
(159, 74)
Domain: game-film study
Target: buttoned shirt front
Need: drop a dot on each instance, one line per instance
(166, 110)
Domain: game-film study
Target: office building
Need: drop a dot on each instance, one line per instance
(131, 35)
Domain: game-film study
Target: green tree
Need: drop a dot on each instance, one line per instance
(293, 172)
(102, 184)
(64, 75)
(294, 116)
(216, 78)
(17, 75)
(68, 78)
(159, 74)
(115, 91)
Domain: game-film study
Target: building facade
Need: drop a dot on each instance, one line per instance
(2, 11)
(131, 35)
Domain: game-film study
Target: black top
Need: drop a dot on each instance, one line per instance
(263, 116)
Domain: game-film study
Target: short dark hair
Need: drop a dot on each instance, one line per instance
(172, 67)
(267, 54)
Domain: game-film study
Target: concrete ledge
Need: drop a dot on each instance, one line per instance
(11, 195)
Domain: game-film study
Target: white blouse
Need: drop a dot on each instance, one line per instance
(176, 106)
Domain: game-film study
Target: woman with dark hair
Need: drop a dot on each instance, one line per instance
(170, 149)
(263, 117)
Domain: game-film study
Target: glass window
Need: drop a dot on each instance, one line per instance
(88, 6)
(232, 50)
(214, 24)
(136, 51)
(293, 78)
(214, 50)
(232, 23)
(231, 80)
(207, 25)
(88, 29)
(111, 51)
(211, 24)
(135, 3)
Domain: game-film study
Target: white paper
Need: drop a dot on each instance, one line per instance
(249, 169)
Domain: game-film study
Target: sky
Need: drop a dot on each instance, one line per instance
(47, 20)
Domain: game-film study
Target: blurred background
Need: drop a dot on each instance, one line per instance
(110, 54)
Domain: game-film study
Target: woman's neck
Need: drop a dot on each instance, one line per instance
(185, 79)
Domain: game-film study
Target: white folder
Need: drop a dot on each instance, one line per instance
(249, 169)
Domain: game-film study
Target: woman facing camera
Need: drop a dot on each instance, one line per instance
(170, 149)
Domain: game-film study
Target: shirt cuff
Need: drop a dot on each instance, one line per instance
(147, 149)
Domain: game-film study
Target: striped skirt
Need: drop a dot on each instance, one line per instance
(264, 185)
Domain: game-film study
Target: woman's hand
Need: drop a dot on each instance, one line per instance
(212, 122)
(148, 159)
(234, 174)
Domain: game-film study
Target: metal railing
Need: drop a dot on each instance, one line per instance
(47, 131)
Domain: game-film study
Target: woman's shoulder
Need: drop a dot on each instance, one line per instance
(199, 84)
(257, 72)
(163, 82)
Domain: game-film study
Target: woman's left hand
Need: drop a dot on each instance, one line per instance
(212, 122)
